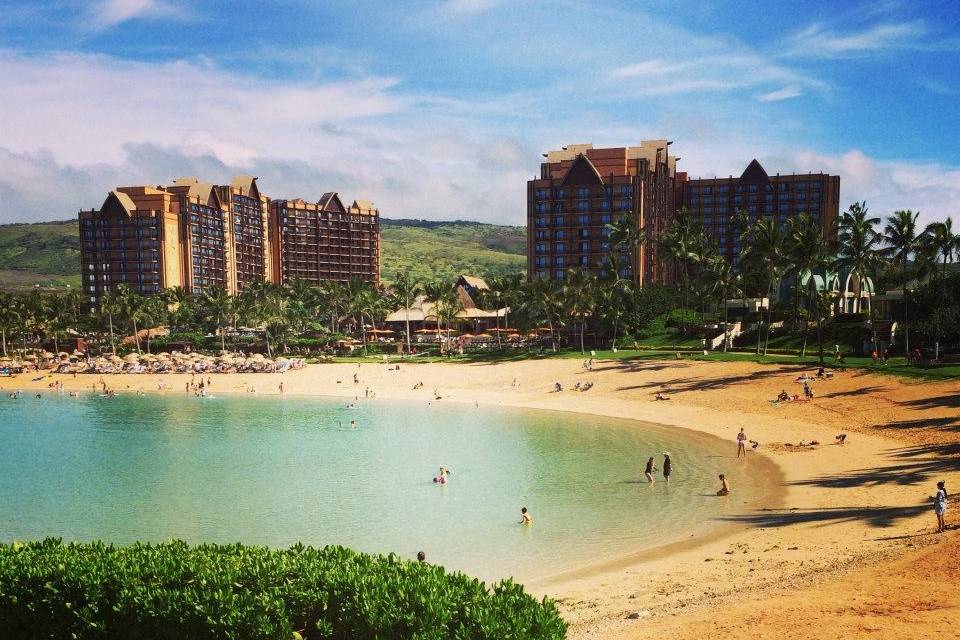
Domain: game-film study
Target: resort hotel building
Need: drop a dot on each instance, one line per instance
(714, 202)
(198, 235)
(581, 190)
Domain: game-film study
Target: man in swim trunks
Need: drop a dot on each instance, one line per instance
(741, 444)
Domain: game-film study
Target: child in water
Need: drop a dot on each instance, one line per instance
(525, 517)
(724, 486)
(442, 477)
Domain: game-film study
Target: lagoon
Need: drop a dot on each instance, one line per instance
(278, 470)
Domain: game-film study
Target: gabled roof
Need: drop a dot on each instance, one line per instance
(582, 171)
(120, 202)
(754, 174)
(330, 201)
(203, 191)
(475, 282)
(363, 205)
(246, 184)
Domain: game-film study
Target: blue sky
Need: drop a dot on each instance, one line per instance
(441, 109)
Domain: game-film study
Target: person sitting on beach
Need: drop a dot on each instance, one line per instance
(557, 387)
(514, 383)
(525, 517)
(576, 387)
(821, 373)
(842, 438)
(650, 470)
(783, 397)
(724, 486)
(660, 396)
(754, 444)
(587, 386)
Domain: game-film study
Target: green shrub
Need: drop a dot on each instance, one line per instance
(90, 591)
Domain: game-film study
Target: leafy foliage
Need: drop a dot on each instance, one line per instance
(172, 591)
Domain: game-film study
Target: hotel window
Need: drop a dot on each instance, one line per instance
(605, 219)
(561, 193)
(583, 192)
(542, 234)
(541, 261)
(584, 261)
(706, 191)
(542, 221)
(583, 205)
(541, 193)
(558, 261)
(583, 220)
(558, 274)
(753, 188)
(724, 188)
(542, 207)
(584, 247)
(605, 205)
(584, 233)
(624, 189)
(541, 247)
(558, 247)
(558, 221)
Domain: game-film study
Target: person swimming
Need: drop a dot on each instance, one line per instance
(525, 517)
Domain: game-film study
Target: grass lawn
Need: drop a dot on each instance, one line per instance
(897, 367)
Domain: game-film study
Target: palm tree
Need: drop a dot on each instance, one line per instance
(940, 240)
(578, 298)
(724, 281)
(543, 302)
(808, 249)
(9, 316)
(618, 291)
(154, 312)
(178, 301)
(676, 245)
(221, 307)
(902, 240)
(131, 305)
(859, 251)
(765, 251)
(405, 292)
(112, 305)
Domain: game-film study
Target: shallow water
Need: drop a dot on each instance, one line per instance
(268, 470)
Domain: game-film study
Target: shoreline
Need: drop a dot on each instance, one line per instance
(842, 508)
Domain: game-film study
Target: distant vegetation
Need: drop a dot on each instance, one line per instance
(48, 253)
(96, 591)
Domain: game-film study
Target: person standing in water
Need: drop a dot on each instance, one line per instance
(649, 471)
(940, 506)
(667, 466)
(741, 444)
(525, 517)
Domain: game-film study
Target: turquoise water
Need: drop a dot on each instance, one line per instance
(276, 471)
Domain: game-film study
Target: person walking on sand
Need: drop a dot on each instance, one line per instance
(724, 486)
(650, 470)
(667, 466)
(525, 517)
(940, 506)
(741, 444)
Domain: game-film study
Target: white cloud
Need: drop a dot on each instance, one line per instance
(107, 13)
(713, 72)
(931, 188)
(789, 91)
(466, 7)
(818, 41)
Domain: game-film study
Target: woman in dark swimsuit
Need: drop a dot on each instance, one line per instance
(648, 472)
(667, 467)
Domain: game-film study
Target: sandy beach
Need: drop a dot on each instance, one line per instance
(845, 547)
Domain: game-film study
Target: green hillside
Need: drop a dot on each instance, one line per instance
(48, 253)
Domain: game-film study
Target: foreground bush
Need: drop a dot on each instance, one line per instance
(174, 591)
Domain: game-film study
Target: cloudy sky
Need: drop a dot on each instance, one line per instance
(441, 109)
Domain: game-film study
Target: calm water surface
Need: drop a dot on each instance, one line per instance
(276, 471)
